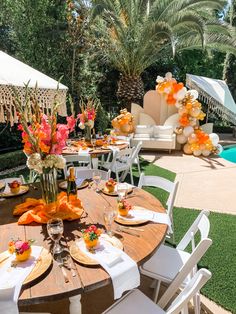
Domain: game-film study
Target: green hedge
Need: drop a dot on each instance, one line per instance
(12, 160)
(222, 129)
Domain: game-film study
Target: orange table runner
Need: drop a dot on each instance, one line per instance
(35, 210)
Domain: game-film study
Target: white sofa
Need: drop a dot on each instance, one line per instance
(155, 137)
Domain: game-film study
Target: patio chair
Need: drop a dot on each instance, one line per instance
(166, 185)
(135, 159)
(135, 302)
(82, 161)
(170, 263)
(121, 163)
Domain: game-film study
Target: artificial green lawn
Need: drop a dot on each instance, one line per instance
(220, 259)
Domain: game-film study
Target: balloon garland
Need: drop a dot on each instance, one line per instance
(188, 131)
(124, 123)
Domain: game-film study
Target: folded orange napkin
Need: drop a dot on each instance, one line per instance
(35, 210)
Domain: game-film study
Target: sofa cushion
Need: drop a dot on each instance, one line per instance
(162, 131)
(144, 129)
(145, 119)
(143, 135)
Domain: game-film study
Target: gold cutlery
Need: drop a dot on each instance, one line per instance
(126, 231)
(132, 228)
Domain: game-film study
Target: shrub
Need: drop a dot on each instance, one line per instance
(12, 160)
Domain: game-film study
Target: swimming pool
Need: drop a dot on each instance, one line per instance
(229, 153)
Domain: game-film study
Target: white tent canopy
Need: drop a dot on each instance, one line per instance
(216, 94)
(16, 73)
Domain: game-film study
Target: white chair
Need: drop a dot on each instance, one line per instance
(121, 163)
(164, 184)
(135, 159)
(135, 302)
(168, 263)
(84, 161)
(88, 173)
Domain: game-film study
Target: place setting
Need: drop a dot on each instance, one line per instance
(12, 188)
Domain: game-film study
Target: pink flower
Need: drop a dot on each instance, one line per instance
(25, 246)
(71, 121)
(18, 244)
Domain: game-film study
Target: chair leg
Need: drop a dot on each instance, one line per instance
(156, 291)
(117, 177)
(138, 164)
(131, 176)
(196, 303)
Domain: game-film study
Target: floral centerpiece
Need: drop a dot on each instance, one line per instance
(87, 117)
(22, 249)
(91, 236)
(123, 208)
(43, 140)
(110, 185)
(14, 186)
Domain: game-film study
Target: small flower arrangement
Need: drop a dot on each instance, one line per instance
(91, 236)
(110, 185)
(22, 249)
(123, 207)
(88, 113)
(14, 186)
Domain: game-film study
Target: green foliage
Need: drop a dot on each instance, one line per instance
(10, 137)
(12, 160)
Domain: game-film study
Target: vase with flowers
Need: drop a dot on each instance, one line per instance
(91, 236)
(87, 117)
(21, 249)
(43, 140)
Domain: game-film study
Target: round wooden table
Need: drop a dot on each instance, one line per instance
(51, 286)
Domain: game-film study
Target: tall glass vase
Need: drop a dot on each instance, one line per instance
(87, 133)
(48, 181)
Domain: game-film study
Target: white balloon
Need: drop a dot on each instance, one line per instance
(181, 139)
(219, 149)
(206, 152)
(193, 93)
(188, 130)
(160, 79)
(178, 104)
(81, 125)
(181, 93)
(168, 76)
(197, 152)
(214, 138)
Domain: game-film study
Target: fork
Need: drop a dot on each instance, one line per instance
(119, 229)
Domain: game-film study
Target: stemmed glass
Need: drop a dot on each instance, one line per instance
(109, 215)
(55, 230)
(97, 180)
(122, 189)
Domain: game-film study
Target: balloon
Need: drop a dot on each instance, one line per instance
(197, 153)
(181, 139)
(188, 130)
(206, 152)
(168, 76)
(214, 138)
(194, 112)
(202, 146)
(181, 93)
(193, 121)
(187, 149)
(182, 110)
(192, 138)
(178, 105)
(193, 93)
(219, 149)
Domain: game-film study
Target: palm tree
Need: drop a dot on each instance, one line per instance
(133, 34)
(230, 59)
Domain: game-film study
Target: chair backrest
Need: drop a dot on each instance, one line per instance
(88, 173)
(136, 150)
(185, 270)
(201, 224)
(84, 160)
(162, 183)
(124, 156)
(196, 283)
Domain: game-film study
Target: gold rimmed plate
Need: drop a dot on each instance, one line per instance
(83, 258)
(23, 189)
(63, 185)
(115, 193)
(43, 263)
(126, 222)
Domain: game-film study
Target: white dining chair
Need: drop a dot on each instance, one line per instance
(166, 185)
(84, 161)
(168, 262)
(121, 163)
(135, 302)
(88, 173)
(135, 158)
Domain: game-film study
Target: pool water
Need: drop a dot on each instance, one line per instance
(229, 153)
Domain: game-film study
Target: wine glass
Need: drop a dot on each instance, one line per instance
(122, 189)
(55, 230)
(97, 179)
(109, 215)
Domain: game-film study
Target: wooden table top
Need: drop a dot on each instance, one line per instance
(97, 151)
(51, 285)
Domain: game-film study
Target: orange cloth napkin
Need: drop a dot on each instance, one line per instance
(35, 210)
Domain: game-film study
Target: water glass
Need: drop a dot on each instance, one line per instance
(109, 215)
(55, 230)
(122, 189)
(96, 180)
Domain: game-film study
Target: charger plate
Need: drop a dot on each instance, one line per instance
(63, 185)
(125, 222)
(105, 191)
(41, 266)
(23, 189)
(82, 258)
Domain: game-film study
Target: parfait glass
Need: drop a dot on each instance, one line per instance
(55, 230)
(96, 180)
